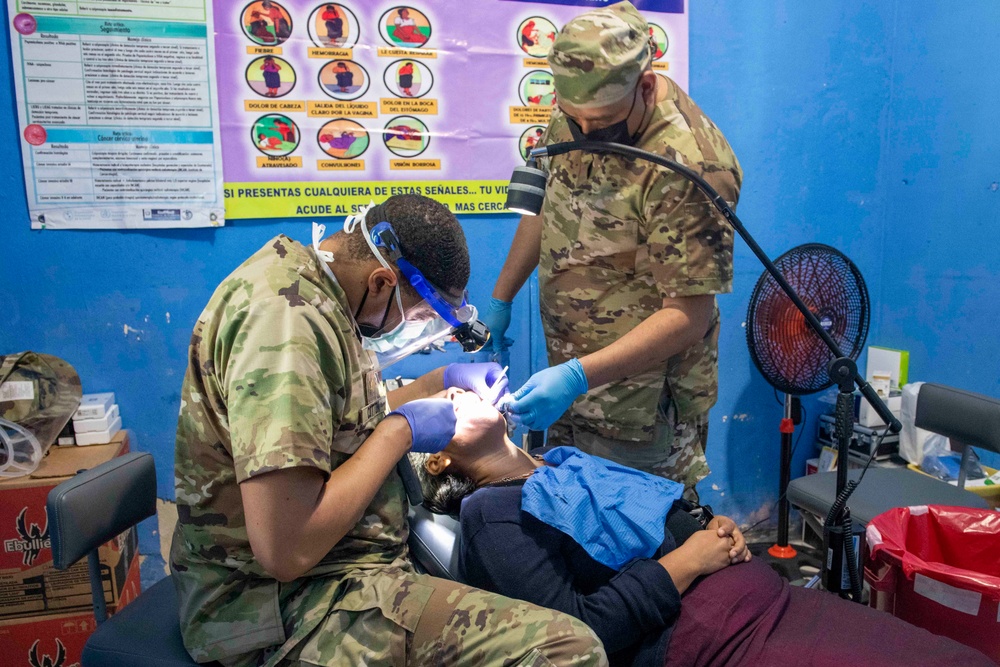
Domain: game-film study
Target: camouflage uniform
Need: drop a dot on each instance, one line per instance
(55, 394)
(277, 379)
(619, 236)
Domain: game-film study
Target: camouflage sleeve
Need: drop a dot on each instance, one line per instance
(690, 244)
(284, 382)
(557, 130)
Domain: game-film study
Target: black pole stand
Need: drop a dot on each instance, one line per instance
(843, 370)
(782, 549)
(842, 572)
(781, 556)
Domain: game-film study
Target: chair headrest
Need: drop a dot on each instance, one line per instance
(968, 418)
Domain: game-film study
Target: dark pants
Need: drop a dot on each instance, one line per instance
(747, 615)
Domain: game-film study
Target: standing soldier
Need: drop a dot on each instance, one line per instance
(630, 258)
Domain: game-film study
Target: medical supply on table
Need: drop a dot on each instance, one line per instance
(94, 406)
(863, 439)
(97, 420)
(945, 465)
(101, 437)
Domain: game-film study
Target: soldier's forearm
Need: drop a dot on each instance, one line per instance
(663, 334)
(424, 386)
(294, 517)
(522, 258)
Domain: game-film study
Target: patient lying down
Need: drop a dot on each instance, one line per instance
(698, 600)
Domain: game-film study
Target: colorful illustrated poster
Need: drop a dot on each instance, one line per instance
(117, 107)
(326, 106)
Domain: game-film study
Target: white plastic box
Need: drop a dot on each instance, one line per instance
(100, 437)
(94, 406)
(96, 425)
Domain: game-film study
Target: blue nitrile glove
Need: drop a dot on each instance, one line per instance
(432, 423)
(497, 318)
(547, 395)
(480, 378)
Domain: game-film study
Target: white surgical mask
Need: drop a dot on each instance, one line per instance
(325, 256)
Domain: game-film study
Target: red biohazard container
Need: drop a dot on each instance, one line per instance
(938, 568)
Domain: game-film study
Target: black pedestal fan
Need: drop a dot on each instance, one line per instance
(792, 358)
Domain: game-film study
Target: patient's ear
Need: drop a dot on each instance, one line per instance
(437, 464)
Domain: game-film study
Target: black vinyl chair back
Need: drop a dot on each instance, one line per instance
(95, 506)
(961, 416)
(971, 419)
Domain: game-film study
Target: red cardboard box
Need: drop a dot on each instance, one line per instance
(56, 639)
(29, 583)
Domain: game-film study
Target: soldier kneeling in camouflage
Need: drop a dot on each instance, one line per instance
(630, 257)
(290, 547)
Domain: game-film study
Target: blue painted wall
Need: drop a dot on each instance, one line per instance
(864, 127)
(940, 293)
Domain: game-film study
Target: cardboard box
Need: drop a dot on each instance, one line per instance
(29, 583)
(100, 437)
(98, 424)
(56, 639)
(867, 416)
(894, 362)
(812, 466)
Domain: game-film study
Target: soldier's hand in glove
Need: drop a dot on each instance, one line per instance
(484, 379)
(497, 318)
(431, 421)
(546, 395)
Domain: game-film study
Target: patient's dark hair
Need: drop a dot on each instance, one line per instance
(445, 493)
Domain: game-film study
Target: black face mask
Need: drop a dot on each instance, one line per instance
(367, 330)
(616, 133)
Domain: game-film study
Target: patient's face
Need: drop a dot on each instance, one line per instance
(478, 424)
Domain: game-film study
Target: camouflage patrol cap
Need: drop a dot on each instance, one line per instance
(597, 57)
(39, 392)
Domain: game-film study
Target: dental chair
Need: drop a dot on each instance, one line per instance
(434, 543)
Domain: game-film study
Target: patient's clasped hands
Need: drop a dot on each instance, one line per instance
(726, 527)
(717, 547)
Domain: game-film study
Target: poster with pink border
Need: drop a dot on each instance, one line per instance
(325, 106)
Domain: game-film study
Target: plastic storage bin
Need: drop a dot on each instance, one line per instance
(939, 568)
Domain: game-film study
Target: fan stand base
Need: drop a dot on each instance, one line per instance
(778, 551)
(796, 569)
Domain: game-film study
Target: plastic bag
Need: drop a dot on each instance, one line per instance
(955, 545)
(912, 440)
(909, 439)
(944, 464)
(937, 568)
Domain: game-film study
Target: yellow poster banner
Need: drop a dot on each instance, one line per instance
(305, 199)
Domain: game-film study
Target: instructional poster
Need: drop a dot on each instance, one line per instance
(118, 112)
(326, 106)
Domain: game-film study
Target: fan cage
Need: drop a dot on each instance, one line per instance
(787, 352)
